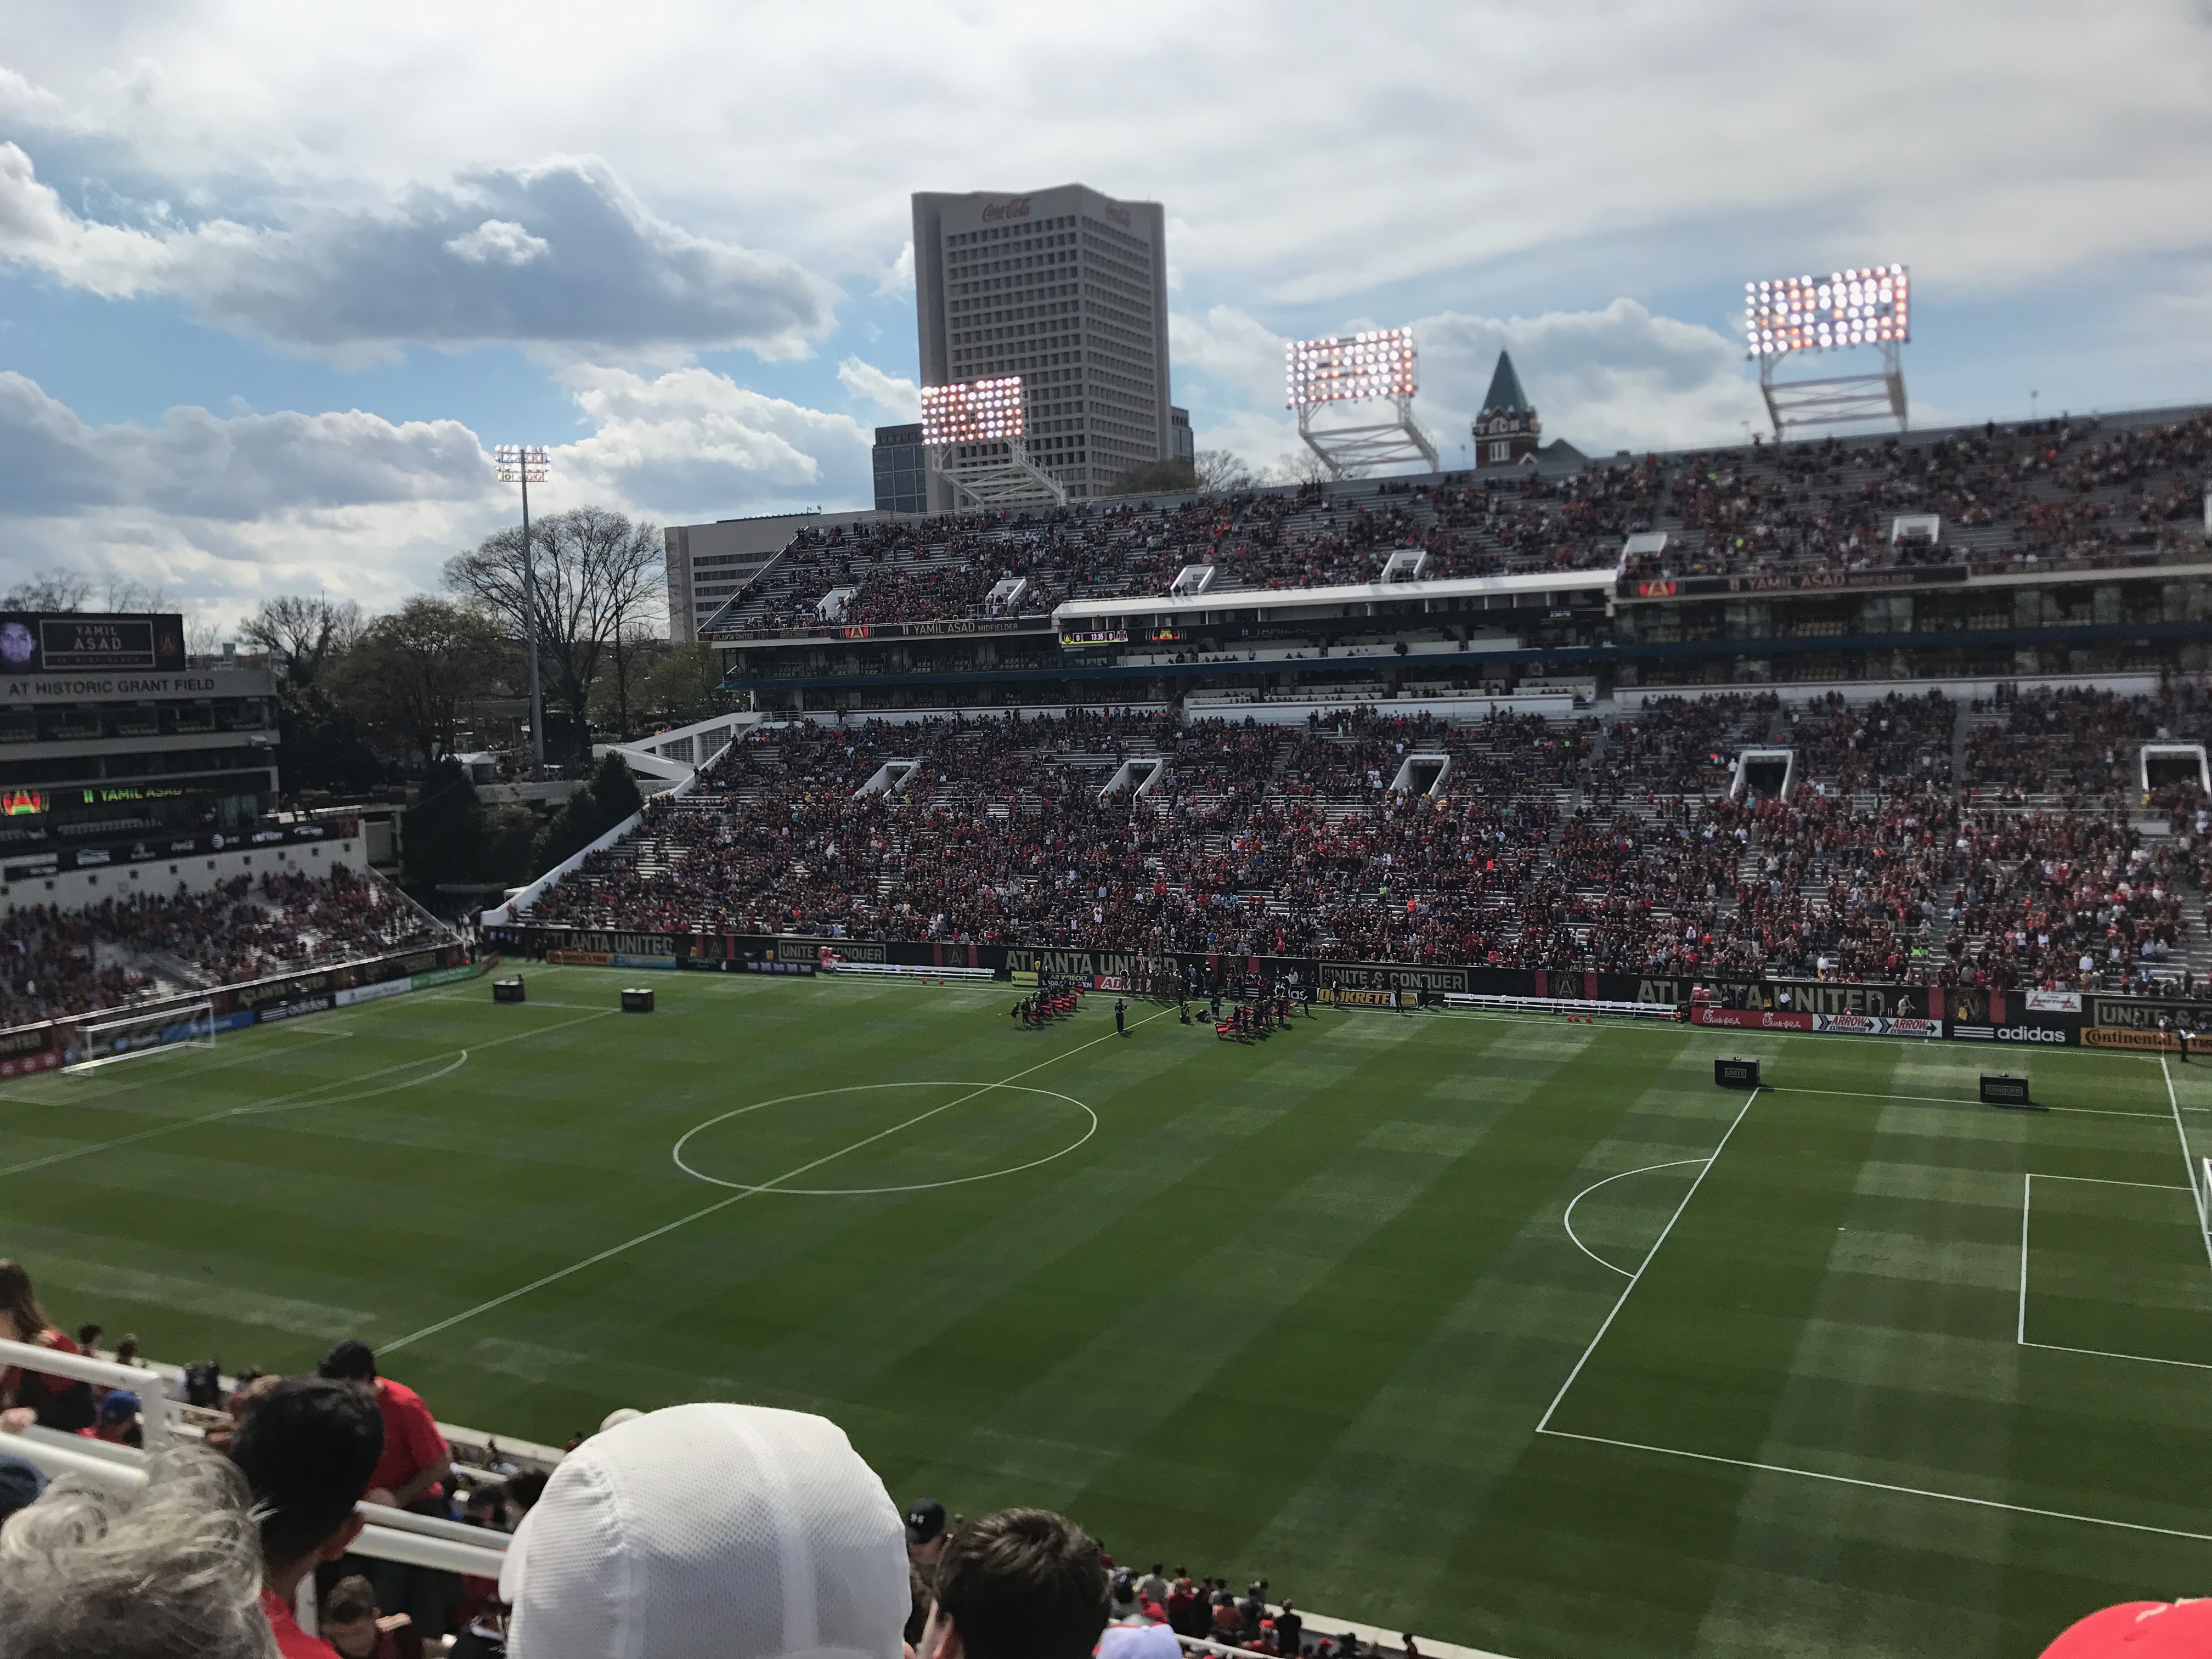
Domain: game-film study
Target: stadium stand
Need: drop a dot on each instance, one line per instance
(56, 962)
(2047, 495)
(1635, 843)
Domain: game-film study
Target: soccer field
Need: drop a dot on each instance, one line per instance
(1508, 1331)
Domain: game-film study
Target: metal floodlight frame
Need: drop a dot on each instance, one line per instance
(1833, 399)
(953, 418)
(1379, 366)
(526, 465)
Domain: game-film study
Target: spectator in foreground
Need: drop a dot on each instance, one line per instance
(56, 1402)
(924, 1532)
(416, 1461)
(1017, 1584)
(20, 1483)
(308, 1450)
(734, 1530)
(2138, 1630)
(171, 1569)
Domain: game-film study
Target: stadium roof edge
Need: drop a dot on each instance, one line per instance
(1281, 598)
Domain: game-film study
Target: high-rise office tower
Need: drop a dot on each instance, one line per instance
(1067, 288)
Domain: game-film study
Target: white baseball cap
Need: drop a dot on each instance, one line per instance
(710, 1532)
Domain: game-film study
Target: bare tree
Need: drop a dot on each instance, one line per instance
(599, 577)
(1222, 472)
(129, 594)
(410, 673)
(50, 590)
(303, 633)
(1300, 466)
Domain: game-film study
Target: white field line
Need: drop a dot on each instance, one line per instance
(2189, 1164)
(739, 1198)
(2026, 1198)
(144, 1079)
(1635, 1277)
(1883, 1485)
(1568, 1219)
(299, 1099)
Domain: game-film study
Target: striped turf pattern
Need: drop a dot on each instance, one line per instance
(1294, 1310)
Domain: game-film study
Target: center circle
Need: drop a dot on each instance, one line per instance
(970, 1090)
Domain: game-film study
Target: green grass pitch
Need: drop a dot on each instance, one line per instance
(1904, 1374)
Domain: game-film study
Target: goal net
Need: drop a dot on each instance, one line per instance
(104, 1042)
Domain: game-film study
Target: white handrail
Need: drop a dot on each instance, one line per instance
(420, 1540)
(149, 1386)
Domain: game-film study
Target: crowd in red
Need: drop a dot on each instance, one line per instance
(1626, 846)
(54, 962)
(2050, 490)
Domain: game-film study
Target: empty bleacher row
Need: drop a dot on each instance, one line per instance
(1627, 844)
(2052, 494)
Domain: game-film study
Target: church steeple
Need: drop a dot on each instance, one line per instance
(1507, 428)
(1505, 389)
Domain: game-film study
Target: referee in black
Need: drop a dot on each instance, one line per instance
(1120, 1018)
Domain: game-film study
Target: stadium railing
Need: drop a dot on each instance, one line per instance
(1560, 1005)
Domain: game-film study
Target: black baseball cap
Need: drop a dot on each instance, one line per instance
(924, 1520)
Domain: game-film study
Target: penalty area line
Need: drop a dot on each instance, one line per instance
(719, 1204)
(1881, 1486)
(1650, 1255)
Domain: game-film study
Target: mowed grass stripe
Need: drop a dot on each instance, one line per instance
(1391, 1502)
(1267, 1416)
(1109, 1395)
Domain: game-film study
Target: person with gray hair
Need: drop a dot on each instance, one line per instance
(170, 1568)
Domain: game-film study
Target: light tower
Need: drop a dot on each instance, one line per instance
(526, 465)
(1867, 307)
(1378, 366)
(973, 432)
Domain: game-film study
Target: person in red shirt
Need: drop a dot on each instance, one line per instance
(307, 1451)
(411, 1475)
(59, 1402)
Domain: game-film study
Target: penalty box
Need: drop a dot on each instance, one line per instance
(1699, 1356)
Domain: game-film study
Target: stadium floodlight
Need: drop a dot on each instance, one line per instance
(973, 411)
(1868, 306)
(1352, 367)
(1375, 366)
(975, 433)
(526, 465)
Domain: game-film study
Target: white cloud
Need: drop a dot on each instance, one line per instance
(498, 242)
(897, 397)
(899, 279)
(695, 444)
(557, 254)
(222, 510)
(1619, 377)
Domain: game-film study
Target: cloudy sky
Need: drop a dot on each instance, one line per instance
(273, 279)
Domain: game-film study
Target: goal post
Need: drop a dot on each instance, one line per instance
(128, 1036)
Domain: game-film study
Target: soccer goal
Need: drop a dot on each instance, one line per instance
(128, 1036)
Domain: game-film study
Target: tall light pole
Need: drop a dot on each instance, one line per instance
(526, 465)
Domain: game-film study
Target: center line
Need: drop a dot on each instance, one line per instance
(739, 1198)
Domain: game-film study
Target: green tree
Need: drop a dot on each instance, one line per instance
(322, 745)
(684, 685)
(452, 837)
(612, 796)
(412, 670)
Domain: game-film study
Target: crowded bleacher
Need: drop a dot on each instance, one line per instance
(107, 955)
(2051, 494)
(1628, 844)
